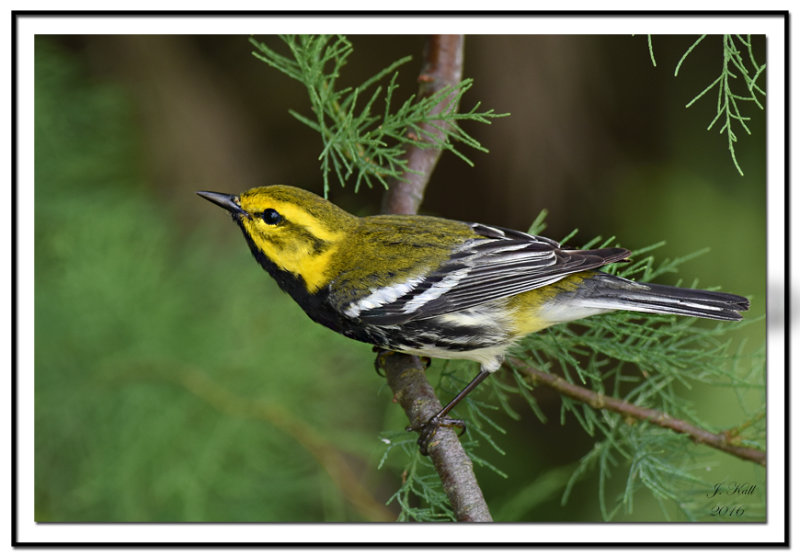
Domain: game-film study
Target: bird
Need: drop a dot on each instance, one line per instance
(436, 287)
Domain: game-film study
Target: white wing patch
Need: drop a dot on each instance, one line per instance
(382, 296)
(435, 291)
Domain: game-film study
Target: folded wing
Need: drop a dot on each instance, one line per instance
(499, 263)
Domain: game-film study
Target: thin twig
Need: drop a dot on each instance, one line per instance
(406, 374)
(596, 400)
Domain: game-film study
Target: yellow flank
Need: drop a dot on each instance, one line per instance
(526, 306)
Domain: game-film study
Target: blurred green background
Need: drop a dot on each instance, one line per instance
(175, 382)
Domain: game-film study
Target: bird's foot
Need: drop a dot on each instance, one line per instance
(428, 430)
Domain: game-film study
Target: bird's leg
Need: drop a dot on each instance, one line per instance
(382, 354)
(428, 430)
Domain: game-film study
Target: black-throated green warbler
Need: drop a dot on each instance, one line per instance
(435, 287)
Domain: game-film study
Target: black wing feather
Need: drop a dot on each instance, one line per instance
(500, 263)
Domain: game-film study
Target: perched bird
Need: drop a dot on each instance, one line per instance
(439, 288)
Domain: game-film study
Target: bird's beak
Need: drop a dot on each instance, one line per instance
(228, 202)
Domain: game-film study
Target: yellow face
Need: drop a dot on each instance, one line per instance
(295, 229)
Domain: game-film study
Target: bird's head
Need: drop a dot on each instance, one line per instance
(291, 228)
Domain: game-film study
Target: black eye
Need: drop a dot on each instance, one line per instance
(271, 216)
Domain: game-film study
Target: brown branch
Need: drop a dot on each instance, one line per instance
(404, 373)
(406, 377)
(442, 65)
(596, 400)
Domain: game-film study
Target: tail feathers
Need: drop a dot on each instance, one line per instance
(606, 292)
